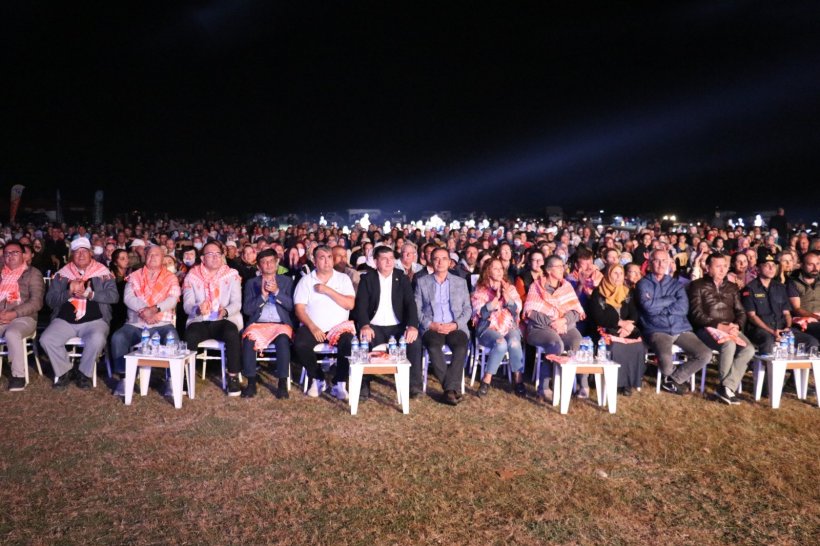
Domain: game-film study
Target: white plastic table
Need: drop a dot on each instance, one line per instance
(175, 364)
(776, 369)
(401, 375)
(606, 382)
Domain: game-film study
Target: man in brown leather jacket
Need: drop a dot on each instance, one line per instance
(21, 297)
(718, 318)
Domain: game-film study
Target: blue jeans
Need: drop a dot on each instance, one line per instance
(500, 345)
(129, 335)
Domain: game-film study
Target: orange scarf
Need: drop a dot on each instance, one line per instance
(501, 319)
(72, 273)
(154, 291)
(555, 305)
(9, 288)
(209, 282)
(336, 332)
(263, 333)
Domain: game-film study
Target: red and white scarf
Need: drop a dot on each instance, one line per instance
(802, 322)
(263, 333)
(72, 273)
(722, 337)
(209, 282)
(152, 291)
(9, 287)
(555, 305)
(336, 332)
(501, 319)
(610, 339)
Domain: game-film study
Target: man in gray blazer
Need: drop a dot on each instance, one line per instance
(443, 302)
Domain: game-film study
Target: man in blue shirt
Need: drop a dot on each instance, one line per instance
(268, 299)
(443, 302)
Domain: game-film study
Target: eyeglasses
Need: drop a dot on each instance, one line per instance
(12, 253)
(212, 254)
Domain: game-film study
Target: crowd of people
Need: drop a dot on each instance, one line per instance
(512, 288)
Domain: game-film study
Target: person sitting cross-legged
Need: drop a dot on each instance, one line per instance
(664, 308)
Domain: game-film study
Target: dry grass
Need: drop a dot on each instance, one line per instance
(80, 467)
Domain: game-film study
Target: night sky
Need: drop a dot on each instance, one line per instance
(243, 106)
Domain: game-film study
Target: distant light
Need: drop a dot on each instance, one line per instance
(387, 226)
(365, 221)
(758, 221)
(322, 221)
(346, 230)
(601, 211)
(673, 218)
(455, 224)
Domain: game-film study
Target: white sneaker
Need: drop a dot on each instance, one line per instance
(339, 391)
(314, 389)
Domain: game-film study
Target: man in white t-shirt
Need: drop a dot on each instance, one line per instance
(322, 301)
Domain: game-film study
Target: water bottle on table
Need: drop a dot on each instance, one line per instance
(145, 340)
(402, 351)
(602, 356)
(392, 348)
(155, 342)
(355, 350)
(171, 343)
(365, 349)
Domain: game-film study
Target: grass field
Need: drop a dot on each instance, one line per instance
(79, 467)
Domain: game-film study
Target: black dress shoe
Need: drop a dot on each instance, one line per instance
(520, 390)
(83, 381)
(450, 398)
(62, 381)
(249, 391)
(483, 390)
(416, 393)
(282, 389)
(364, 393)
(627, 391)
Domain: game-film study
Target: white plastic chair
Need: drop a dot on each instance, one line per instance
(31, 350)
(205, 356)
(76, 346)
(328, 355)
(425, 363)
(678, 358)
(481, 354)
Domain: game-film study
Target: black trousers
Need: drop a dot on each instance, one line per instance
(382, 333)
(221, 330)
(282, 344)
(303, 344)
(448, 376)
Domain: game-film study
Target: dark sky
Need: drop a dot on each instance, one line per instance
(242, 105)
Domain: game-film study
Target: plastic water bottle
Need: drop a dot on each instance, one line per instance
(402, 348)
(392, 348)
(365, 348)
(155, 342)
(602, 350)
(589, 353)
(355, 349)
(144, 340)
(171, 342)
(791, 343)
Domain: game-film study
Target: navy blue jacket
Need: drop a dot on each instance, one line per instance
(663, 305)
(252, 301)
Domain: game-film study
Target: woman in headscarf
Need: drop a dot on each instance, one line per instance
(496, 308)
(613, 312)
